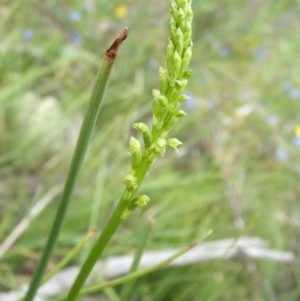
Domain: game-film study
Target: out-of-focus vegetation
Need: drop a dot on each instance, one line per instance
(237, 172)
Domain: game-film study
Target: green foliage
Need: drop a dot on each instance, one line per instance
(237, 171)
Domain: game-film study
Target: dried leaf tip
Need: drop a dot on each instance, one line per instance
(123, 34)
(112, 52)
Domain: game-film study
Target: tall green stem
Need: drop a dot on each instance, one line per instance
(109, 229)
(79, 153)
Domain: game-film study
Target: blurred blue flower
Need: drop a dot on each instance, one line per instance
(294, 93)
(261, 53)
(191, 103)
(297, 141)
(224, 51)
(291, 90)
(281, 154)
(74, 16)
(272, 119)
(287, 86)
(27, 35)
(152, 63)
(76, 39)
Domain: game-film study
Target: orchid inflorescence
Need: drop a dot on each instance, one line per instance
(166, 102)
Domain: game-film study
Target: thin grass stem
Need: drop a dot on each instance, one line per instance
(87, 127)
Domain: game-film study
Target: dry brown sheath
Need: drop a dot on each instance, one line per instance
(112, 52)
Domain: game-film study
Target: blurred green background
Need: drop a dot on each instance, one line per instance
(237, 172)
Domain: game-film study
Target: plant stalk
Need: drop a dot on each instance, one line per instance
(109, 229)
(87, 127)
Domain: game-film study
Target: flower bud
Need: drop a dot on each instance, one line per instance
(134, 146)
(180, 17)
(186, 58)
(177, 61)
(163, 73)
(135, 152)
(160, 98)
(180, 114)
(158, 110)
(170, 48)
(144, 129)
(174, 143)
(183, 98)
(178, 40)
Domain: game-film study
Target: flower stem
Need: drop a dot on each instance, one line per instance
(109, 229)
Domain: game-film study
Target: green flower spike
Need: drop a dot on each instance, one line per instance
(166, 101)
(166, 112)
(174, 78)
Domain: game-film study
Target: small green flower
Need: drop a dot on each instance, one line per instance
(142, 200)
(174, 143)
(159, 146)
(130, 182)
